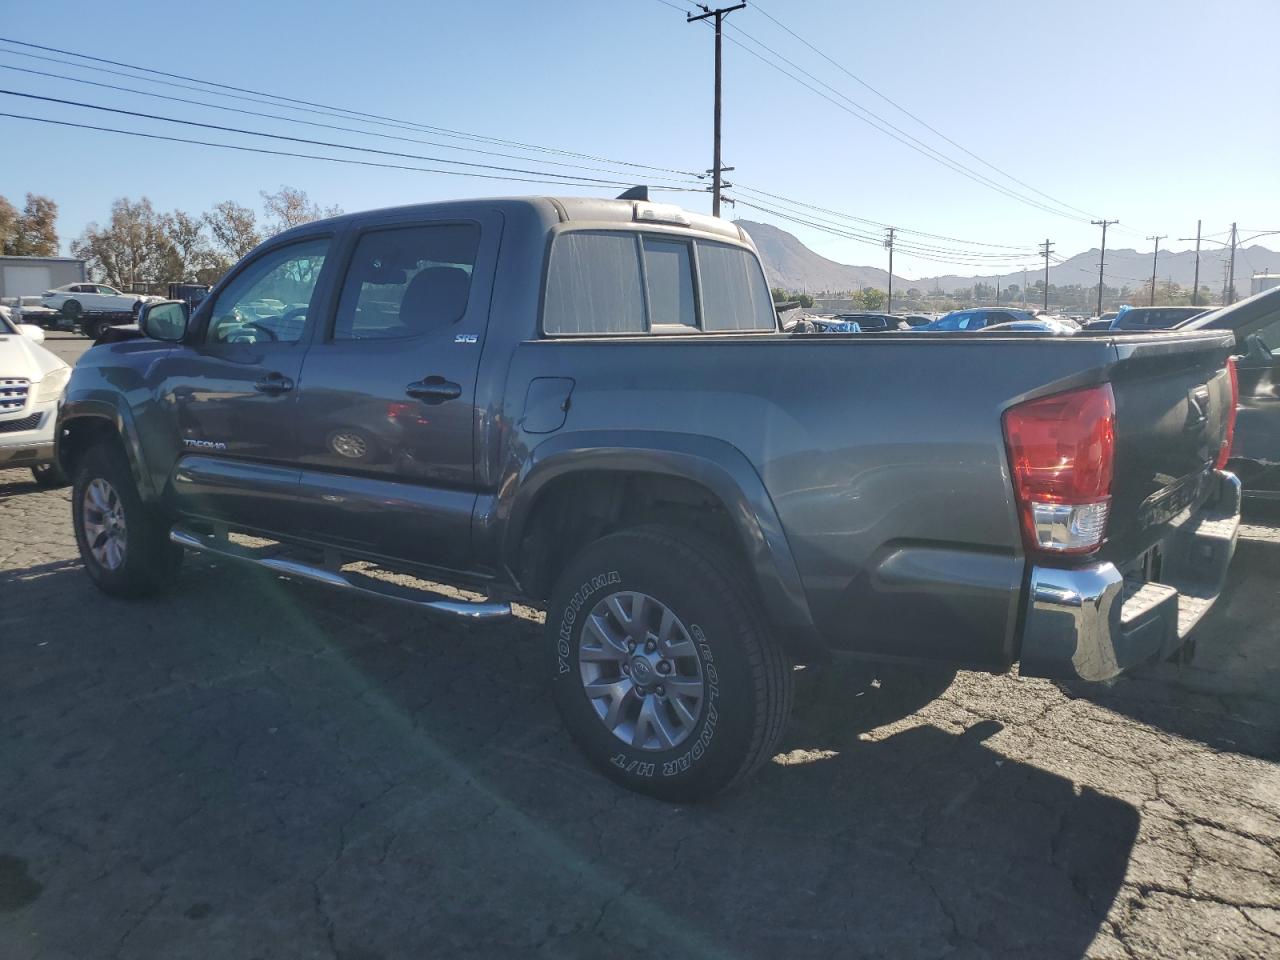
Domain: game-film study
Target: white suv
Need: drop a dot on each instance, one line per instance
(31, 382)
(94, 305)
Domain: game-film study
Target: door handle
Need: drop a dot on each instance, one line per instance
(274, 384)
(434, 390)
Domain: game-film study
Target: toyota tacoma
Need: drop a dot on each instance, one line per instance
(588, 406)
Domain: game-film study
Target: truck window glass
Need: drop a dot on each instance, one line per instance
(408, 281)
(593, 285)
(669, 273)
(734, 293)
(268, 300)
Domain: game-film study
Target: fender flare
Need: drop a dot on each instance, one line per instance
(122, 423)
(714, 464)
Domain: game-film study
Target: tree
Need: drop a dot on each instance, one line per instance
(190, 256)
(873, 299)
(914, 293)
(8, 226)
(290, 207)
(32, 233)
(134, 246)
(234, 229)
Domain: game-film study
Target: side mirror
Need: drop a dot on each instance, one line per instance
(165, 320)
(31, 332)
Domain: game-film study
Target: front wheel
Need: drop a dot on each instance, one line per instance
(662, 664)
(124, 542)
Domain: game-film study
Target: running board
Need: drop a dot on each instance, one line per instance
(369, 586)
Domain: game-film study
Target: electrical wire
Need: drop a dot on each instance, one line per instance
(759, 9)
(312, 107)
(311, 156)
(310, 123)
(551, 177)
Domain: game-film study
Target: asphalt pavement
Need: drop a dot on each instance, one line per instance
(248, 767)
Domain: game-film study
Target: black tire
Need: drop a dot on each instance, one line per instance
(135, 310)
(151, 562)
(92, 329)
(72, 310)
(49, 475)
(747, 675)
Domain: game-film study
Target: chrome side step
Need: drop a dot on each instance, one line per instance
(369, 587)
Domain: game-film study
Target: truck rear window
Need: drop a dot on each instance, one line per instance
(594, 285)
(625, 282)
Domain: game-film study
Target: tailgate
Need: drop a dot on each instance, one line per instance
(1173, 396)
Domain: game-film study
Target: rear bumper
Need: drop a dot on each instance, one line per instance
(1090, 624)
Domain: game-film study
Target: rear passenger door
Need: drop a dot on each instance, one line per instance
(387, 408)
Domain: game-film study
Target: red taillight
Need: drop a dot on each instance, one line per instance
(1224, 452)
(1062, 451)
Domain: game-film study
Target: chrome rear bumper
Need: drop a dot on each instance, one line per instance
(1091, 624)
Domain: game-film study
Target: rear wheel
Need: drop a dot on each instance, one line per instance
(72, 310)
(123, 542)
(662, 664)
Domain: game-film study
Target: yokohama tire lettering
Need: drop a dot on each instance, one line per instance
(571, 609)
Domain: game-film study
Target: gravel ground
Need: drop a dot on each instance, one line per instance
(253, 768)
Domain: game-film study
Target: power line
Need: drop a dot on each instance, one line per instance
(870, 240)
(917, 119)
(551, 177)
(888, 128)
(299, 120)
(876, 223)
(879, 123)
(311, 156)
(907, 246)
(308, 106)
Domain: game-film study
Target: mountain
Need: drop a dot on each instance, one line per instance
(788, 263)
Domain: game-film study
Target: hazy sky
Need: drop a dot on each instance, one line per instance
(1156, 113)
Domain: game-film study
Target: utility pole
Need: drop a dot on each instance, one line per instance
(997, 291)
(1024, 288)
(1154, 258)
(1102, 257)
(1048, 249)
(888, 242)
(1195, 286)
(1231, 281)
(716, 170)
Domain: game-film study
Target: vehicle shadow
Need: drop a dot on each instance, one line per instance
(17, 483)
(1228, 696)
(296, 766)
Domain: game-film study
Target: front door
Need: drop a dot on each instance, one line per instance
(232, 394)
(386, 415)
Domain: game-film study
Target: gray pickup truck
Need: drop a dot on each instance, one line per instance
(588, 406)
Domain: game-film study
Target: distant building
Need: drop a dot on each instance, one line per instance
(32, 276)
(1263, 281)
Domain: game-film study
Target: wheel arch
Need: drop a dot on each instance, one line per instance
(595, 471)
(84, 422)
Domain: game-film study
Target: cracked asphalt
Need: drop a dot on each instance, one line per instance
(253, 768)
